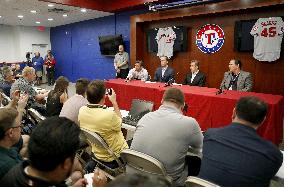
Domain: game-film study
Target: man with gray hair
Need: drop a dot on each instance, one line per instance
(25, 85)
(166, 134)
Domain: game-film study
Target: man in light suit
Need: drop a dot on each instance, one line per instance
(195, 77)
(164, 73)
(236, 79)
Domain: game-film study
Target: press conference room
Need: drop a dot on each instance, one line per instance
(141, 93)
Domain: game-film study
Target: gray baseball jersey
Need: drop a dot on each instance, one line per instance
(268, 33)
(165, 39)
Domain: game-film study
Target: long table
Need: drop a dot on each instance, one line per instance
(209, 109)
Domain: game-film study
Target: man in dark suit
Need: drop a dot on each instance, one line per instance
(195, 77)
(164, 73)
(236, 79)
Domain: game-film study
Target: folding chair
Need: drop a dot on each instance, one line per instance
(94, 138)
(139, 162)
(35, 116)
(198, 182)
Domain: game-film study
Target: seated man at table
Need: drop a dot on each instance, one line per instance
(166, 135)
(236, 155)
(236, 79)
(195, 77)
(95, 117)
(138, 72)
(164, 73)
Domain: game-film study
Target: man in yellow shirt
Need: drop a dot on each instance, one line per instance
(106, 123)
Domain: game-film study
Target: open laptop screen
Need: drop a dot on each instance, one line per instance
(139, 108)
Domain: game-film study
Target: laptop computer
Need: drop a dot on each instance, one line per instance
(137, 110)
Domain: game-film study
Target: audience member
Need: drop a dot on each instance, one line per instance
(8, 81)
(236, 155)
(51, 149)
(50, 68)
(121, 60)
(38, 66)
(164, 73)
(72, 106)
(195, 77)
(57, 97)
(48, 52)
(17, 71)
(139, 180)
(236, 79)
(106, 123)
(166, 135)
(24, 85)
(138, 72)
(11, 141)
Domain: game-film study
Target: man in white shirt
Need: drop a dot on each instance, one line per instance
(72, 106)
(138, 72)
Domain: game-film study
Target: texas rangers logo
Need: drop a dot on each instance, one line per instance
(210, 38)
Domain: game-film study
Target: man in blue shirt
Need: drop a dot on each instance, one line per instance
(38, 66)
(236, 155)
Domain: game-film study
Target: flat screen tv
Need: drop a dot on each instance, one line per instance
(109, 44)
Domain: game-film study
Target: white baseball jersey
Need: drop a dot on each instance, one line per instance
(268, 33)
(165, 39)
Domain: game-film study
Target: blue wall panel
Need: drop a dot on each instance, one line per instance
(76, 46)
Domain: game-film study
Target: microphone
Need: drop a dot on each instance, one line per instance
(170, 82)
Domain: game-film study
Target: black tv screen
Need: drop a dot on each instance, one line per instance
(109, 44)
(180, 43)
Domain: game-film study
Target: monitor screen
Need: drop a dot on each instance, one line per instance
(109, 44)
(139, 108)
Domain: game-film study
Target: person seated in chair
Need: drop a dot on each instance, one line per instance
(106, 123)
(11, 141)
(236, 155)
(236, 79)
(164, 73)
(72, 106)
(8, 81)
(57, 97)
(195, 77)
(25, 85)
(166, 134)
(138, 72)
(51, 149)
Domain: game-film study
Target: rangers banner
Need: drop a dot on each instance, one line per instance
(210, 38)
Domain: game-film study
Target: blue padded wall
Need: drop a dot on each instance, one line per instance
(76, 46)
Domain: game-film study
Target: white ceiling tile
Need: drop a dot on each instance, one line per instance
(10, 9)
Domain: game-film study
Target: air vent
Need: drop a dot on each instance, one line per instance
(58, 10)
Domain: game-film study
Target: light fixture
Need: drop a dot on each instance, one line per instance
(33, 11)
(50, 19)
(83, 10)
(20, 16)
(50, 5)
(0, 16)
(64, 15)
(37, 22)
